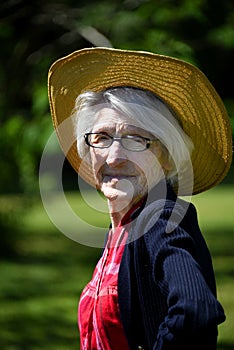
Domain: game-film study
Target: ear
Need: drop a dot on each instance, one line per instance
(163, 157)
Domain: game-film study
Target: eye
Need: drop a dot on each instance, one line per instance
(100, 138)
(136, 138)
(139, 139)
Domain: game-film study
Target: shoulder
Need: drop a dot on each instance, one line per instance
(164, 215)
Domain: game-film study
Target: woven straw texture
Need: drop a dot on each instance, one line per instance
(179, 84)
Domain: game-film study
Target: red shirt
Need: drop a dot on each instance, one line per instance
(98, 315)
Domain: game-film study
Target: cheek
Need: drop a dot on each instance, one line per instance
(151, 170)
(97, 160)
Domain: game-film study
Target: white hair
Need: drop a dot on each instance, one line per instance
(145, 110)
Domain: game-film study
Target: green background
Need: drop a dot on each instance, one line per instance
(42, 270)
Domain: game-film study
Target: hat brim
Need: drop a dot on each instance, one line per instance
(182, 86)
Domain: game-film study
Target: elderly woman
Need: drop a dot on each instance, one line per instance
(148, 128)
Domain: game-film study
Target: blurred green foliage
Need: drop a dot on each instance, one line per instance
(34, 34)
(42, 271)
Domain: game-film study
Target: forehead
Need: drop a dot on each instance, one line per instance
(110, 120)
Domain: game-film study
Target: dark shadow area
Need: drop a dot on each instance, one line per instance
(225, 346)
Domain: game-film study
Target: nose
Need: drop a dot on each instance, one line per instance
(116, 155)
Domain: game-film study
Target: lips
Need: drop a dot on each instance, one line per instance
(106, 174)
(116, 176)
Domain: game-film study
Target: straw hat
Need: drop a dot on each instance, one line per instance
(183, 87)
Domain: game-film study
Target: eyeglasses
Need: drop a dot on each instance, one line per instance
(133, 143)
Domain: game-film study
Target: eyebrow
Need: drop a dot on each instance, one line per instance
(104, 128)
(130, 129)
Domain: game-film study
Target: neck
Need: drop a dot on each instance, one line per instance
(117, 212)
(117, 216)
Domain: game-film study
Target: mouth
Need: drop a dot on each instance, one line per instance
(116, 177)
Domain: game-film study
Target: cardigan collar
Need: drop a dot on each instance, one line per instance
(162, 191)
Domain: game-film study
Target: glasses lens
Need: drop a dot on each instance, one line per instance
(134, 143)
(99, 140)
(129, 142)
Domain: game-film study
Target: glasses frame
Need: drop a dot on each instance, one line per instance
(147, 141)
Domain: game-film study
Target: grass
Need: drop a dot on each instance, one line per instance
(215, 209)
(40, 286)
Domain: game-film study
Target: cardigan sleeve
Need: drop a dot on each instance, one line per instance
(193, 311)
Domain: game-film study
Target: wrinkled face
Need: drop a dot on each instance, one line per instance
(122, 174)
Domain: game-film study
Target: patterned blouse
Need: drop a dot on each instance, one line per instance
(98, 314)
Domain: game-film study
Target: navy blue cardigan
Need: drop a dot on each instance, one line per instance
(166, 286)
